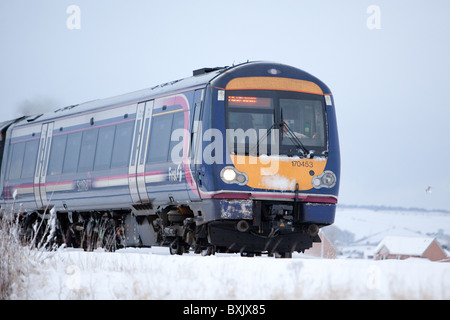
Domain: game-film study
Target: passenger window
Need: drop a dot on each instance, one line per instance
(29, 161)
(87, 151)
(18, 151)
(160, 133)
(104, 148)
(2, 146)
(72, 152)
(136, 135)
(144, 139)
(122, 145)
(178, 123)
(56, 160)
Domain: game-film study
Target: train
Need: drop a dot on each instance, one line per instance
(239, 159)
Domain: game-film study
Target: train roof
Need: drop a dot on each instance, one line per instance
(200, 78)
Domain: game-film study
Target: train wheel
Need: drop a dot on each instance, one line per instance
(28, 228)
(208, 251)
(247, 254)
(282, 255)
(177, 247)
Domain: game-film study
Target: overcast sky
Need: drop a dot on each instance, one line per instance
(386, 62)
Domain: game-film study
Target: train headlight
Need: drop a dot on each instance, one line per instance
(232, 175)
(228, 175)
(316, 182)
(328, 179)
(325, 180)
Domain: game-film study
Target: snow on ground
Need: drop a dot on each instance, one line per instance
(371, 226)
(154, 274)
(357, 231)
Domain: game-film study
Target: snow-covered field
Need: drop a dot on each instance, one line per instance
(371, 226)
(359, 230)
(153, 274)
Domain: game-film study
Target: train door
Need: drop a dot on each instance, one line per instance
(40, 192)
(3, 127)
(195, 150)
(136, 171)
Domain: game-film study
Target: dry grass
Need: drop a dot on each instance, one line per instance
(18, 260)
(14, 260)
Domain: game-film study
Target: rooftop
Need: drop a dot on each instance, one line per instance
(413, 246)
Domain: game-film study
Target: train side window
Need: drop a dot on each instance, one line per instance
(56, 161)
(2, 145)
(87, 151)
(104, 148)
(178, 123)
(159, 138)
(18, 152)
(122, 145)
(72, 152)
(29, 161)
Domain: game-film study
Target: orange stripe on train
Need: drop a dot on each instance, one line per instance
(273, 83)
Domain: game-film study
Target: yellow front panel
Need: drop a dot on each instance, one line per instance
(279, 173)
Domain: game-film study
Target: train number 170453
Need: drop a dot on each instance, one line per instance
(303, 163)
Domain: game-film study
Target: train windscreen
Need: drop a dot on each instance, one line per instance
(275, 122)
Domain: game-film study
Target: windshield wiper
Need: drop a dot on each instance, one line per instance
(293, 137)
(265, 136)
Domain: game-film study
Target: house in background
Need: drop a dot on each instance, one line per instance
(324, 249)
(398, 247)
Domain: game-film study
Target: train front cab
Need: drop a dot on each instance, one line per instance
(280, 177)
